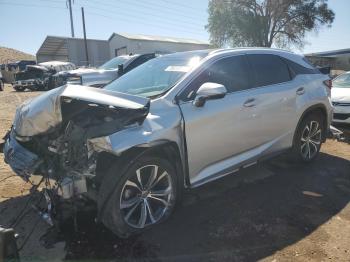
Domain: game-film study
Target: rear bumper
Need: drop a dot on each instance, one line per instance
(22, 161)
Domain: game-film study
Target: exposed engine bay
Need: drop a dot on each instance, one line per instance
(51, 135)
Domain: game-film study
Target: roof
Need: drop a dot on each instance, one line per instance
(244, 50)
(269, 49)
(330, 53)
(57, 45)
(159, 38)
(54, 44)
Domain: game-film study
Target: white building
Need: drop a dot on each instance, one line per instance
(336, 59)
(121, 44)
(99, 51)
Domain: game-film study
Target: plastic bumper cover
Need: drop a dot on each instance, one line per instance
(22, 161)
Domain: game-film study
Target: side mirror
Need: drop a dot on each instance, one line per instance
(209, 91)
(120, 69)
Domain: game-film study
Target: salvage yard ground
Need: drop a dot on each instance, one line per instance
(275, 211)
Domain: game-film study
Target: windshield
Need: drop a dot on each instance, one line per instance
(156, 76)
(342, 81)
(29, 74)
(114, 62)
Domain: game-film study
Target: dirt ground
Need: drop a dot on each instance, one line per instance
(275, 211)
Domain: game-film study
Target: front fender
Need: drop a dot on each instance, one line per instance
(164, 123)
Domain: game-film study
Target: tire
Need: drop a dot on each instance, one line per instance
(19, 89)
(132, 207)
(1, 85)
(308, 138)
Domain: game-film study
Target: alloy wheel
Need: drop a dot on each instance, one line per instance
(146, 196)
(311, 140)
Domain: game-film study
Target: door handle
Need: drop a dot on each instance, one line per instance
(301, 91)
(249, 103)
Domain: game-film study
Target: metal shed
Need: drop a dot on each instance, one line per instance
(337, 59)
(122, 43)
(72, 50)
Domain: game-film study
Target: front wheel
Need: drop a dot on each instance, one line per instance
(144, 196)
(308, 138)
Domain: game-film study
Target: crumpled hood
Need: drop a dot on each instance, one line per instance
(43, 113)
(340, 94)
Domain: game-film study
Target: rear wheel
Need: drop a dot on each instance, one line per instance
(308, 138)
(1, 85)
(144, 196)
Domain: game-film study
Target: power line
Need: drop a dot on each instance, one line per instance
(31, 5)
(163, 9)
(146, 23)
(53, 1)
(121, 12)
(125, 17)
(178, 4)
(175, 6)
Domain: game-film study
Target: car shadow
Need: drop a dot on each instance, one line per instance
(245, 216)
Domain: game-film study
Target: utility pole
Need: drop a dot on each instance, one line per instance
(85, 42)
(71, 17)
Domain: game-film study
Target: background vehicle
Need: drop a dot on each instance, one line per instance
(106, 73)
(341, 98)
(1, 83)
(177, 121)
(20, 65)
(39, 77)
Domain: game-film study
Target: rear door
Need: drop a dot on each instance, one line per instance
(274, 99)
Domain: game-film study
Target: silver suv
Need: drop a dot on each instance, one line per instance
(177, 121)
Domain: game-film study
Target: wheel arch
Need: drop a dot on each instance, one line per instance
(164, 149)
(317, 108)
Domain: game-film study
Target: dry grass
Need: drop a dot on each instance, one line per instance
(8, 55)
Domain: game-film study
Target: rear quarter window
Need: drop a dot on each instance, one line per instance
(297, 69)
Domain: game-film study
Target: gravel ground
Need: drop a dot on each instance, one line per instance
(275, 211)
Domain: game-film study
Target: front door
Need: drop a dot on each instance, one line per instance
(218, 130)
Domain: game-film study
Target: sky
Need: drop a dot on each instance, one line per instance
(26, 23)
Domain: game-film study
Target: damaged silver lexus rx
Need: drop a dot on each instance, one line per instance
(175, 122)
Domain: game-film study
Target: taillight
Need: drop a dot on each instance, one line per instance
(328, 83)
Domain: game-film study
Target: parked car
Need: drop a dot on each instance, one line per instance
(1, 82)
(341, 98)
(177, 121)
(106, 73)
(20, 65)
(39, 77)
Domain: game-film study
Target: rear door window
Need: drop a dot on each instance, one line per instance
(269, 69)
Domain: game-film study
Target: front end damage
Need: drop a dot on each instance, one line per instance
(53, 136)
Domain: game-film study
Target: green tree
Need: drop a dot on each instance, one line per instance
(265, 22)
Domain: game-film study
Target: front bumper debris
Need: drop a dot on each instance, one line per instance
(22, 161)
